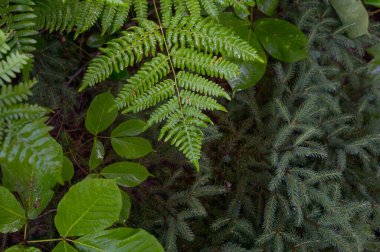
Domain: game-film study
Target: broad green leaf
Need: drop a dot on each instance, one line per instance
(100, 114)
(131, 147)
(97, 154)
(374, 50)
(64, 247)
(95, 41)
(250, 72)
(126, 208)
(12, 215)
(33, 172)
(89, 206)
(19, 248)
(268, 7)
(119, 239)
(375, 3)
(353, 15)
(67, 169)
(127, 173)
(281, 39)
(131, 127)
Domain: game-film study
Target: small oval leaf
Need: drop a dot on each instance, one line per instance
(281, 39)
(101, 113)
(127, 173)
(131, 147)
(67, 169)
(131, 127)
(97, 154)
(89, 206)
(126, 208)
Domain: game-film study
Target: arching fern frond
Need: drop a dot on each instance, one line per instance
(172, 80)
(141, 8)
(206, 35)
(17, 17)
(11, 65)
(205, 64)
(122, 52)
(15, 94)
(58, 15)
(200, 84)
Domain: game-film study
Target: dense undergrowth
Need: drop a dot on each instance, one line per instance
(268, 127)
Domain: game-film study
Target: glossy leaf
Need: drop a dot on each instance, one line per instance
(89, 206)
(67, 169)
(353, 15)
(64, 247)
(97, 154)
(281, 39)
(12, 215)
(100, 114)
(375, 3)
(127, 173)
(131, 147)
(268, 7)
(19, 248)
(119, 239)
(250, 72)
(131, 127)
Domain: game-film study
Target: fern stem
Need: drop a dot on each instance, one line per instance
(174, 75)
(169, 56)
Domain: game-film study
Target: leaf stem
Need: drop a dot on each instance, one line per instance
(46, 240)
(25, 230)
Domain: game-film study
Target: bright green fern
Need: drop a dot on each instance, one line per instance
(66, 15)
(173, 79)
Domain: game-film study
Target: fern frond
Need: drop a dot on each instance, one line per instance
(210, 8)
(189, 98)
(192, 44)
(149, 74)
(11, 65)
(15, 94)
(204, 64)
(22, 111)
(200, 84)
(154, 95)
(114, 15)
(207, 35)
(166, 11)
(58, 15)
(187, 137)
(163, 112)
(141, 8)
(123, 52)
(18, 18)
(193, 7)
